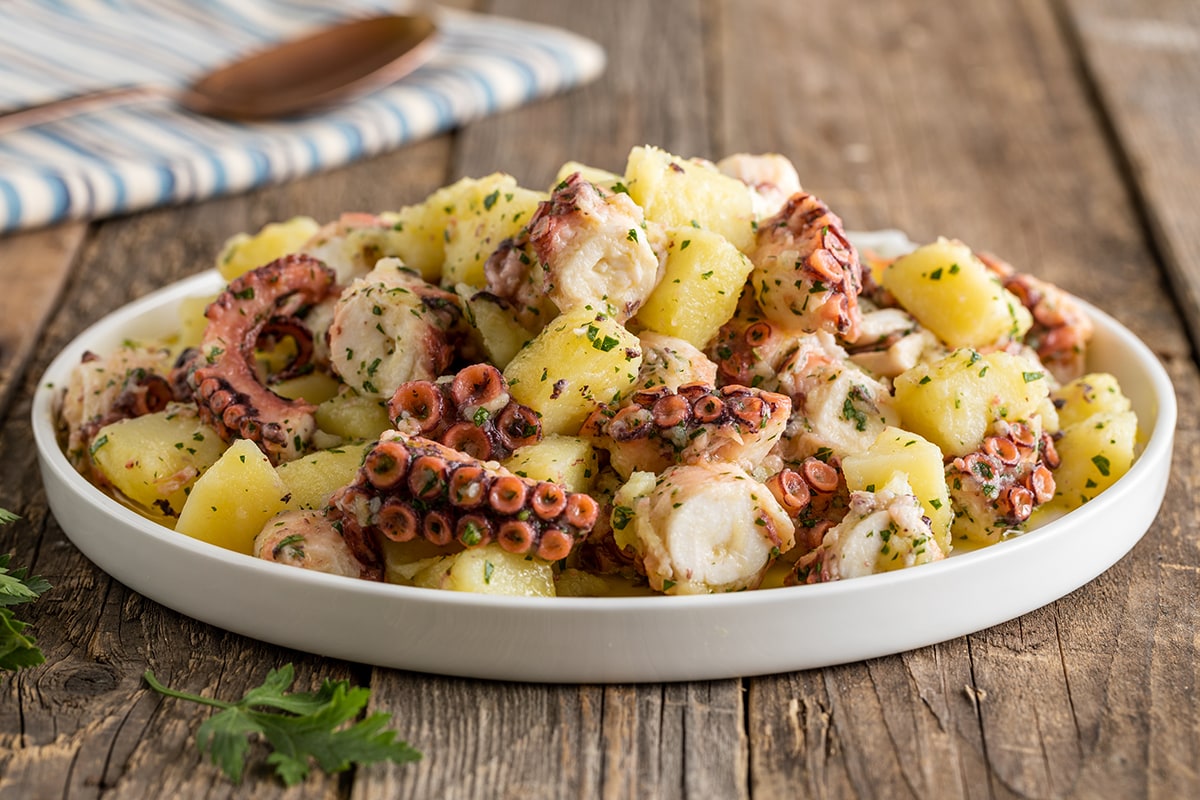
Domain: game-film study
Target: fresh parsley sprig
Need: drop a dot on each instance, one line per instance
(17, 648)
(300, 727)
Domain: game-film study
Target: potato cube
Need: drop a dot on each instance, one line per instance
(954, 401)
(232, 502)
(244, 252)
(315, 387)
(699, 288)
(578, 362)
(954, 295)
(154, 459)
(899, 452)
(609, 181)
(192, 321)
(312, 479)
(489, 570)
(1097, 393)
(351, 415)
(566, 460)
(1095, 453)
(483, 214)
(496, 329)
(677, 193)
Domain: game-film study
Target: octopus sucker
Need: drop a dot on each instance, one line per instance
(814, 495)
(450, 496)
(470, 411)
(806, 274)
(221, 371)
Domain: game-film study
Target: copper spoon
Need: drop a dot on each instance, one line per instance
(313, 72)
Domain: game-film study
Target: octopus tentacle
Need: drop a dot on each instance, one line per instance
(470, 411)
(221, 371)
(815, 496)
(448, 495)
(697, 422)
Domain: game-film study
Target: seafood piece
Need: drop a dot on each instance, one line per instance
(410, 487)
(994, 489)
(584, 246)
(671, 362)
(751, 350)
(883, 531)
(701, 528)
(890, 341)
(470, 411)
(836, 406)
(391, 327)
(693, 424)
(128, 382)
(1061, 328)
(308, 539)
(352, 244)
(771, 177)
(814, 495)
(221, 372)
(806, 273)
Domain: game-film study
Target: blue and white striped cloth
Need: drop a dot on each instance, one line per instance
(138, 156)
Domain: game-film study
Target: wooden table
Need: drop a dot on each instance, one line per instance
(1058, 134)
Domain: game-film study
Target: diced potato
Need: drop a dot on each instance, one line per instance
(609, 181)
(232, 502)
(954, 401)
(954, 295)
(403, 561)
(192, 321)
(676, 193)
(639, 485)
(353, 416)
(312, 479)
(579, 361)
(244, 252)
(566, 460)
(420, 234)
(484, 213)
(901, 452)
(1095, 452)
(1097, 393)
(496, 329)
(489, 570)
(315, 387)
(154, 459)
(699, 288)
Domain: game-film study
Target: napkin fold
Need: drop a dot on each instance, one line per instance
(152, 153)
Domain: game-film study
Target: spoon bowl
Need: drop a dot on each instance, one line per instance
(316, 71)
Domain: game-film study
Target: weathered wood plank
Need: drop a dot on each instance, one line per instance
(1144, 61)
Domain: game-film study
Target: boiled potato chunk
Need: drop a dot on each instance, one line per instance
(899, 452)
(496, 329)
(954, 295)
(609, 181)
(489, 570)
(579, 361)
(315, 387)
(192, 321)
(232, 502)
(312, 479)
(676, 193)
(484, 213)
(566, 460)
(154, 459)
(699, 288)
(351, 415)
(1095, 453)
(954, 401)
(1096, 393)
(244, 252)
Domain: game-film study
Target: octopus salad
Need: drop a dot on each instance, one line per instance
(680, 379)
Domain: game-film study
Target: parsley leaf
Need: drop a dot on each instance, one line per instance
(17, 648)
(301, 727)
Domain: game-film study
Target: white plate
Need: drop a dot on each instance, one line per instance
(610, 640)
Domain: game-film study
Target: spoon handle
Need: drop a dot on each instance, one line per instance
(72, 105)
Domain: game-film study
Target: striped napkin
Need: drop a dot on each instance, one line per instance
(148, 154)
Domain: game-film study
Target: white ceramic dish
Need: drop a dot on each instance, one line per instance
(610, 640)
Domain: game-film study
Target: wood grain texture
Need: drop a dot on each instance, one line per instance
(1026, 128)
